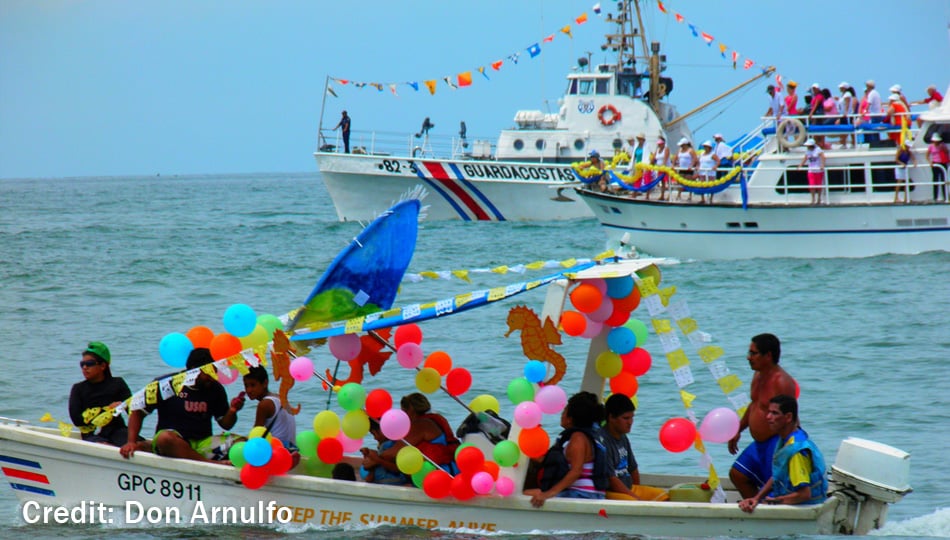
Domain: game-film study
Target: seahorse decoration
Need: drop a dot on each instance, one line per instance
(371, 353)
(280, 357)
(537, 340)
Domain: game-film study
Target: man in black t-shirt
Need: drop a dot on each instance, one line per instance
(184, 427)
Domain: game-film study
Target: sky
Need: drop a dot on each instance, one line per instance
(145, 87)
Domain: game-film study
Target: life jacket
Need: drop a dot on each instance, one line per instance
(440, 453)
(555, 466)
(817, 481)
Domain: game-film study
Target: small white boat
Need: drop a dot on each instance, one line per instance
(525, 175)
(767, 211)
(66, 480)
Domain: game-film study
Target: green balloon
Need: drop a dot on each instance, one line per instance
(506, 453)
(639, 329)
(520, 390)
(315, 467)
(418, 477)
(351, 396)
(307, 443)
(270, 323)
(236, 455)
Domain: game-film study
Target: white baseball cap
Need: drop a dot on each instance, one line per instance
(718, 136)
(683, 141)
(843, 85)
(896, 88)
(936, 137)
(810, 142)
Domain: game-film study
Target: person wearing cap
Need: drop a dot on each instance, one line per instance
(776, 105)
(723, 151)
(875, 108)
(92, 400)
(897, 115)
(184, 427)
(686, 162)
(896, 89)
(848, 107)
(904, 158)
(708, 162)
(815, 158)
(660, 157)
(637, 150)
(938, 156)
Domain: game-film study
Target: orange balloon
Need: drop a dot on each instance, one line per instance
(439, 361)
(586, 298)
(629, 302)
(534, 442)
(573, 323)
(200, 337)
(624, 383)
(224, 345)
(492, 468)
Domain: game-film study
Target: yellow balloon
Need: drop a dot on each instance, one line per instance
(326, 424)
(428, 380)
(255, 339)
(608, 364)
(409, 460)
(355, 424)
(257, 431)
(485, 402)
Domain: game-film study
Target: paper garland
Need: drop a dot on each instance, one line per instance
(520, 268)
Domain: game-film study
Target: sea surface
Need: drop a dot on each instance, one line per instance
(126, 260)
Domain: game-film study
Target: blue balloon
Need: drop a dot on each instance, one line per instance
(619, 287)
(621, 340)
(174, 349)
(257, 451)
(534, 371)
(240, 320)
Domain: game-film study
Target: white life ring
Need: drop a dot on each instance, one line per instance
(786, 126)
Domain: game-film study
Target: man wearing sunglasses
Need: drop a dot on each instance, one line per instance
(92, 400)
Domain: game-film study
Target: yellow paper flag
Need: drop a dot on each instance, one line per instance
(65, 429)
(687, 326)
(666, 294)
(500, 269)
(462, 274)
(536, 265)
(687, 398)
(708, 353)
(662, 326)
(47, 418)
(677, 359)
(729, 383)
(429, 274)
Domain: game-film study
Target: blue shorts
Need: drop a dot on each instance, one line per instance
(755, 462)
(579, 494)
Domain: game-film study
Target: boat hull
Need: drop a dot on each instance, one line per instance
(362, 186)
(47, 470)
(693, 231)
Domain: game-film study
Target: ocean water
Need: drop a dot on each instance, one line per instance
(128, 260)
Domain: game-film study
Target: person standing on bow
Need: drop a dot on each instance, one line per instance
(753, 468)
(798, 468)
(344, 127)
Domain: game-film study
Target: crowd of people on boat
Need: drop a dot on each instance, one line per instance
(592, 458)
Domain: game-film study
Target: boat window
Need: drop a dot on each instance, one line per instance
(883, 180)
(602, 86)
(518, 144)
(572, 86)
(617, 144)
(539, 144)
(578, 144)
(586, 87)
(849, 180)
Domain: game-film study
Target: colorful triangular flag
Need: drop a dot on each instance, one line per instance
(567, 30)
(693, 30)
(707, 38)
(596, 8)
(722, 49)
(581, 19)
(414, 85)
(448, 81)
(430, 85)
(679, 18)
(748, 63)
(331, 92)
(534, 50)
(497, 65)
(465, 79)
(548, 39)
(660, 6)
(481, 70)
(392, 88)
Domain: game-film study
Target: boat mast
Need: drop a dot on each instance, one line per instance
(323, 106)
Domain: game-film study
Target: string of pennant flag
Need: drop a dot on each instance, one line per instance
(467, 77)
(519, 268)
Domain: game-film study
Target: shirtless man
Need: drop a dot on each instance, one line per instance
(753, 468)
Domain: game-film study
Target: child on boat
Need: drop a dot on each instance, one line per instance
(377, 468)
(278, 421)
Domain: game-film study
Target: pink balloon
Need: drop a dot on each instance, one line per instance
(551, 399)
(349, 445)
(603, 312)
(593, 329)
(719, 425)
(345, 347)
(504, 486)
(409, 355)
(394, 424)
(528, 414)
(482, 483)
(600, 283)
(227, 375)
(301, 368)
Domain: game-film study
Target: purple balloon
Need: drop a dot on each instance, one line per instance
(551, 399)
(301, 368)
(394, 424)
(528, 414)
(720, 425)
(345, 347)
(409, 355)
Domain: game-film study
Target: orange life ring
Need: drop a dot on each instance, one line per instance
(614, 115)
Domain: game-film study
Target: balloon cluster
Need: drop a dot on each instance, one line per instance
(604, 305)
(531, 403)
(244, 329)
(718, 426)
(438, 364)
(477, 475)
(259, 458)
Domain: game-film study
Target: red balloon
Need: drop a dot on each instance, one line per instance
(224, 345)
(408, 333)
(253, 477)
(378, 401)
(437, 484)
(458, 381)
(200, 337)
(798, 390)
(624, 383)
(461, 487)
(637, 362)
(470, 460)
(677, 434)
(573, 323)
(330, 450)
(280, 461)
(629, 302)
(586, 298)
(492, 468)
(534, 442)
(618, 317)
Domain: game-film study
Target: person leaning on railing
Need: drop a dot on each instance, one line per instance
(938, 156)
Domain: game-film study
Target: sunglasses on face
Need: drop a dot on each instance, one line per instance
(88, 363)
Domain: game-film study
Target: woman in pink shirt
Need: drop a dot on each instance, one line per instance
(791, 100)
(939, 158)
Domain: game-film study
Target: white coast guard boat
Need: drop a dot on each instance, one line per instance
(766, 211)
(525, 175)
(57, 476)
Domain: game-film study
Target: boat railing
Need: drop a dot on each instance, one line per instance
(401, 144)
(793, 130)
